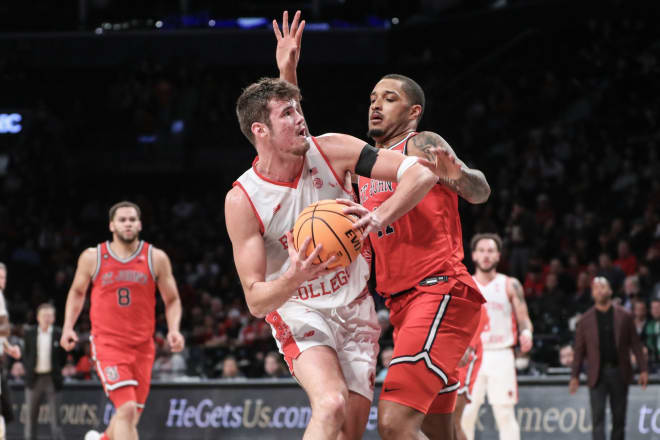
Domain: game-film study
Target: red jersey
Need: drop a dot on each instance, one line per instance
(123, 303)
(424, 242)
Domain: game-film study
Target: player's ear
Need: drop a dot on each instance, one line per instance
(259, 129)
(111, 227)
(415, 111)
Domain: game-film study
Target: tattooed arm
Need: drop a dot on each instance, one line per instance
(517, 297)
(468, 183)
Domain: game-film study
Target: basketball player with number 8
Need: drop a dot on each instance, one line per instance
(124, 274)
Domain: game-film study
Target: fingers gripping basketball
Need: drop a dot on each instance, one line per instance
(326, 224)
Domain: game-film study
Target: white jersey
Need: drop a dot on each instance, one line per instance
(501, 331)
(277, 205)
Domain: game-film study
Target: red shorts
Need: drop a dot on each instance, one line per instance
(125, 371)
(431, 333)
(467, 374)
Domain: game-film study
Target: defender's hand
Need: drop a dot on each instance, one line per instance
(368, 221)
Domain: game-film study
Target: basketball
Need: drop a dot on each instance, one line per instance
(326, 224)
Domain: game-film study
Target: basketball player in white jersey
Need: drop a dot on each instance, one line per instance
(508, 320)
(323, 320)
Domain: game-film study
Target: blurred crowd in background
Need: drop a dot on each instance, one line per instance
(565, 126)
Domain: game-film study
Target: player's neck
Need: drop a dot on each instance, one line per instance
(389, 141)
(122, 249)
(485, 277)
(279, 169)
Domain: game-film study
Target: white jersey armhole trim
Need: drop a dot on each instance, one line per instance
(150, 261)
(98, 262)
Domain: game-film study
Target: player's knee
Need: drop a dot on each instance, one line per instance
(505, 416)
(128, 412)
(390, 425)
(330, 409)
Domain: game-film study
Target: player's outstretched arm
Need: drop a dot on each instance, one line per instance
(517, 296)
(467, 182)
(347, 153)
(170, 295)
(76, 297)
(263, 296)
(289, 39)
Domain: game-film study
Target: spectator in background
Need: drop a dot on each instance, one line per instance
(273, 368)
(84, 366)
(521, 230)
(640, 316)
(631, 291)
(581, 301)
(17, 372)
(613, 273)
(230, 369)
(385, 359)
(626, 261)
(43, 371)
(652, 333)
(168, 365)
(566, 354)
(69, 369)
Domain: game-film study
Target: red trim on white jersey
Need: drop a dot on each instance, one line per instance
(261, 224)
(334, 173)
(293, 184)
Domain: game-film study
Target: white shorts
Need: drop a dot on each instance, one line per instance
(496, 378)
(351, 330)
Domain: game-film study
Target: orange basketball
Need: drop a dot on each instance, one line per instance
(326, 224)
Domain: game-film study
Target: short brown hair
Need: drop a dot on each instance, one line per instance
(252, 105)
(124, 204)
(413, 91)
(486, 236)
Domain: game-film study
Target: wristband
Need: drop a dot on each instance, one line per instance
(407, 163)
(527, 332)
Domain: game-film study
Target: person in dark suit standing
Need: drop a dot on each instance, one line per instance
(605, 335)
(43, 371)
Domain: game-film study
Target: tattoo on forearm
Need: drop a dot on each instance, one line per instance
(472, 185)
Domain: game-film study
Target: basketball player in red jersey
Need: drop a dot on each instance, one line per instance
(434, 303)
(124, 275)
(508, 322)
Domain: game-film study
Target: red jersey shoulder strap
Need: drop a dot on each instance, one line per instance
(99, 250)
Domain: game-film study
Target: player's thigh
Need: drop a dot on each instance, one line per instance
(502, 384)
(318, 371)
(142, 368)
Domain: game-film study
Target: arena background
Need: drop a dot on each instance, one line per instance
(103, 100)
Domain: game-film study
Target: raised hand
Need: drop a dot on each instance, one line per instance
(289, 40)
(303, 268)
